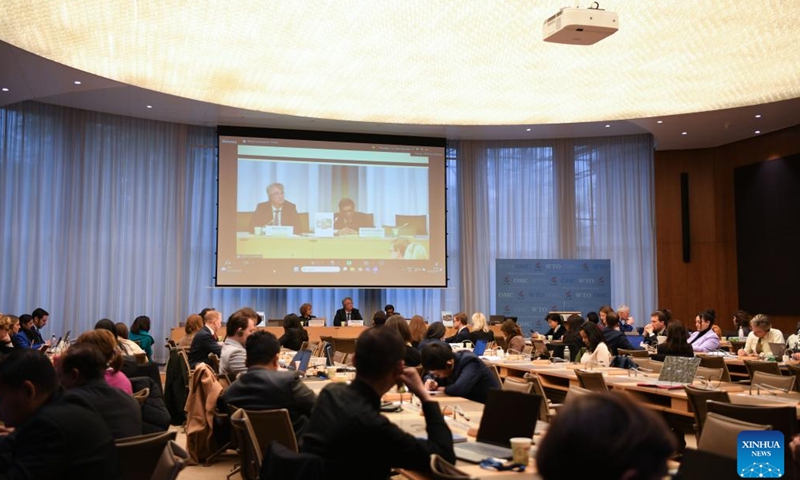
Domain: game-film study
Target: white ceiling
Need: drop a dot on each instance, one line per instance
(31, 77)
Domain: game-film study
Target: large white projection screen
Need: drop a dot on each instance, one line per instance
(320, 209)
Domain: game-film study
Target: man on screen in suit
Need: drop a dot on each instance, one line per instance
(276, 212)
(346, 313)
(347, 221)
(460, 322)
(205, 340)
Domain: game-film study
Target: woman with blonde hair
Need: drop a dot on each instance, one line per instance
(193, 324)
(479, 330)
(107, 343)
(7, 325)
(418, 328)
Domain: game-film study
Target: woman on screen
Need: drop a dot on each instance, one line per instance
(408, 250)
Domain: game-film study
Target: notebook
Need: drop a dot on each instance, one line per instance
(480, 347)
(497, 429)
(304, 357)
(676, 372)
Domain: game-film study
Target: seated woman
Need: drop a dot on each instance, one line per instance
(305, 314)
(293, 333)
(572, 337)
(140, 333)
(704, 339)
(513, 335)
(418, 328)
(597, 352)
(436, 332)
(128, 346)
(405, 248)
(7, 325)
(677, 343)
(193, 324)
(741, 324)
(107, 343)
(479, 330)
(556, 323)
(793, 341)
(413, 356)
(761, 335)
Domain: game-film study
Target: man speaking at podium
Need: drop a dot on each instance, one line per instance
(275, 212)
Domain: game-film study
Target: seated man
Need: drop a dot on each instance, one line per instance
(626, 322)
(82, 375)
(613, 337)
(346, 313)
(347, 429)
(205, 341)
(656, 328)
(54, 438)
(460, 374)
(347, 221)
(640, 448)
(275, 212)
(27, 337)
(264, 387)
(760, 336)
(240, 325)
(460, 322)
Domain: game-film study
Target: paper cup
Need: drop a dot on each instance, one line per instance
(521, 448)
(331, 372)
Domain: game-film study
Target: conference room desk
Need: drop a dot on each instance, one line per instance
(344, 247)
(314, 333)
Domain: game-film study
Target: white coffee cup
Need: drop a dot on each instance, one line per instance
(521, 449)
(257, 230)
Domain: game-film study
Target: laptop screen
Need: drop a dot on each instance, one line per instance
(300, 361)
(496, 428)
(480, 347)
(679, 369)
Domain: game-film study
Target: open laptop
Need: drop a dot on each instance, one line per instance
(777, 349)
(497, 429)
(676, 372)
(480, 347)
(303, 357)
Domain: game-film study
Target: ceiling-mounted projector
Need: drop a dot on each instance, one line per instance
(577, 26)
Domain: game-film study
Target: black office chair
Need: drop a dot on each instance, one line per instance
(697, 400)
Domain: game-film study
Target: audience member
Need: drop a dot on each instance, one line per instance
(277, 211)
(205, 341)
(40, 317)
(741, 324)
(677, 343)
(480, 330)
(106, 324)
(593, 317)
(264, 387)
(193, 325)
(53, 438)
(8, 323)
(556, 324)
(346, 313)
(613, 337)
(635, 442)
(389, 309)
(140, 333)
(27, 336)
(626, 322)
(418, 328)
(704, 339)
(107, 343)
(379, 318)
(412, 357)
(597, 352)
(241, 325)
(347, 221)
(513, 335)
(305, 314)
(761, 335)
(572, 338)
(604, 311)
(128, 346)
(657, 327)
(459, 374)
(346, 425)
(82, 375)
(435, 334)
(293, 333)
(793, 341)
(461, 324)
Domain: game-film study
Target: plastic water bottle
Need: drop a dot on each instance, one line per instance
(500, 352)
(566, 354)
(741, 332)
(53, 342)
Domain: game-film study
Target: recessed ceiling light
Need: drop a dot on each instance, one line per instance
(660, 121)
(527, 129)
(77, 82)
(758, 131)
(5, 89)
(149, 106)
(684, 133)
(758, 115)
(608, 126)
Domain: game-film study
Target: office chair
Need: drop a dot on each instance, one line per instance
(592, 381)
(716, 362)
(697, 400)
(720, 432)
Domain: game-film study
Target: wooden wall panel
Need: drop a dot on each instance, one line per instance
(709, 279)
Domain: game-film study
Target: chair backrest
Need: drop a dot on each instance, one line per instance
(346, 345)
(141, 395)
(538, 389)
(171, 343)
(339, 357)
(138, 456)
(173, 459)
(285, 464)
(633, 353)
(737, 345)
(496, 373)
(501, 342)
(527, 350)
(302, 223)
(249, 451)
(794, 370)
(783, 418)
(185, 364)
(517, 385)
(578, 391)
(697, 400)
(412, 224)
(141, 358)
(720, 433)
(753, 366)
(784, 382)
(716, 362)
(272, 425)
(593, 381)
(213, 359)
(710, 374)
(650, 364)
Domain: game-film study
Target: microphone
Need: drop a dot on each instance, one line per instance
(769, 388)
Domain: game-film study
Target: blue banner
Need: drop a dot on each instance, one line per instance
(530, 289)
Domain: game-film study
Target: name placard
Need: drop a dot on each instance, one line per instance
(370, 232)
(278, 231)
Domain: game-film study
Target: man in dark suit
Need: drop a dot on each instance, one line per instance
(347, 313)
(205, 341)
(275, 212)
(347, 221)
(613, 337)
(264, 387)
(460, 374)
(54, 437)
(462, 333)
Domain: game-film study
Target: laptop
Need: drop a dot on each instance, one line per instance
(480, 347)
(304, 357)
(676, 372)
(497, 429)
(777, 349)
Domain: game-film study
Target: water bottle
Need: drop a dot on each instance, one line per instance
(566, 355)
(741, 332)
(53, 342)
(500, 352)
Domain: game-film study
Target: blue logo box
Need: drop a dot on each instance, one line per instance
(760, 454)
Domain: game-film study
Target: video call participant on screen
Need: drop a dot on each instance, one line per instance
(347, 429)
(346, 313)
(406, 249)
(276, 212)
(347, 221)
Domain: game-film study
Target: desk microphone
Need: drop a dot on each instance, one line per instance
(771, 389)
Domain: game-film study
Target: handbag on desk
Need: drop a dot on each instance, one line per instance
(441, 469)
